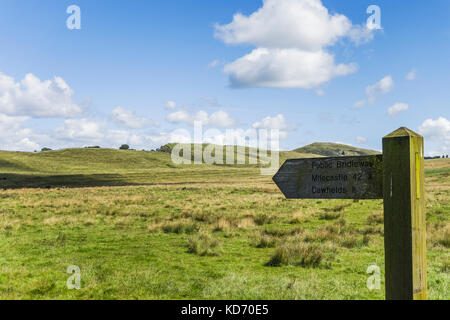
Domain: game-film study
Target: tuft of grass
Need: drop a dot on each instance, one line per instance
(367, 230)
(445, 266)
(354, 241)
(297, 253)
(329, 215)
(204, 244)
(222, 225)
(262, 218)
(266, 241)
(376, 217)
(439, 234)
(179, 227)
(280, 232)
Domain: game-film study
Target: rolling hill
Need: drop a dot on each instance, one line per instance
(110, 167)
(328, 149)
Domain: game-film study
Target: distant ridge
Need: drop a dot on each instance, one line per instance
(329, 149)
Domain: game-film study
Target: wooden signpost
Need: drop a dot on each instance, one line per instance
(397, 177)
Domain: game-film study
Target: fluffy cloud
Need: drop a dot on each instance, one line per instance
(374, 91)
(438, 132)
(397, 107)
(291, 37)
(171, 105)
(35, 98)
(127, 118)
(285, 68)
(436, 129)
(217, 119)
(273, 123)
(302, 24)
(14, 137)
(277, 122)
(81, 130)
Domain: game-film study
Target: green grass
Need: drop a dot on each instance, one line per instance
(139, 229)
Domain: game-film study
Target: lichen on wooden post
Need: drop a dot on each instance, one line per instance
(404, 216)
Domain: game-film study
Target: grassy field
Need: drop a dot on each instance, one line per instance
(140, 227)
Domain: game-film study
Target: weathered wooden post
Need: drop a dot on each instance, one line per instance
(404, 216)
(397, 177)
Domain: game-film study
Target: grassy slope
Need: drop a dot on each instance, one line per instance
(143, 241)
(100, 167)
(331, 149)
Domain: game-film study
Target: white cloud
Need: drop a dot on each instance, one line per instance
(217, 119)
(373, 92)
(302, 24)
(360, 34)
(291, 37)
(397, 107)
(221, 119)
(361, 140)
(35, 98)
(438, 132)
(171, 105)
(412, 75)
(436, 129)
(128, 119)
(81, 130)
(277, 122)
(273, 123)
(285, 68)
(14, 137)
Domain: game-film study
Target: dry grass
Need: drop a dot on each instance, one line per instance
(376, 217)
(439, 234)
(297, 253)
(204, 244)
(180, 227)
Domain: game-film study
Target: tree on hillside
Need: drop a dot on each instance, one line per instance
(124, 147)
(46, 149)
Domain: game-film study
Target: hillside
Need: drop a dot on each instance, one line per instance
(111, 167)
(329, 149)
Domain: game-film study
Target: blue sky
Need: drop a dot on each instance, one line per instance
(116, 75)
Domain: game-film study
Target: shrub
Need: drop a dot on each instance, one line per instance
(204, 244)
(124, 147)
(299, 253)
(46, 149)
